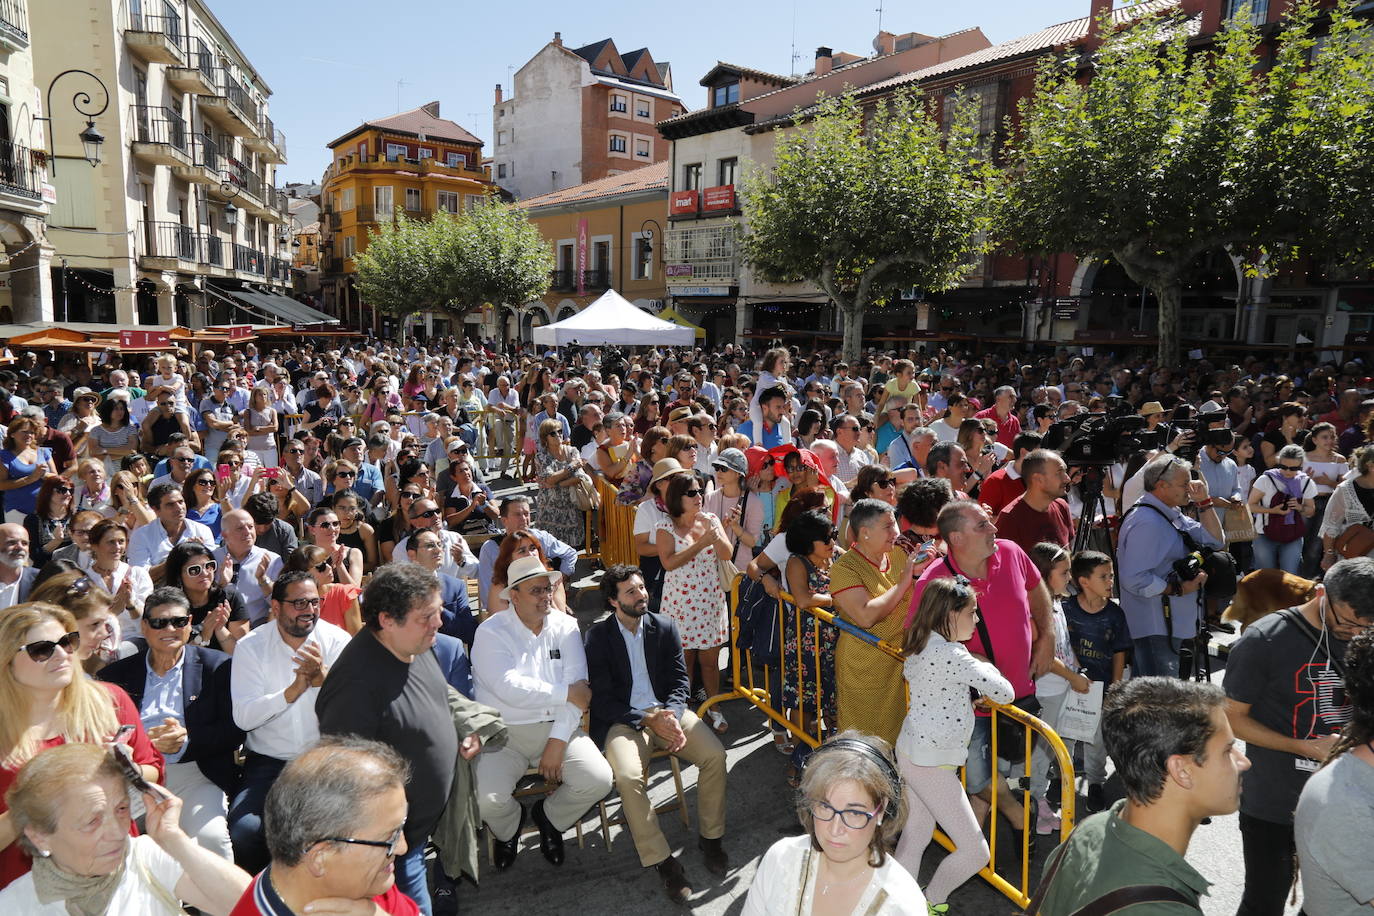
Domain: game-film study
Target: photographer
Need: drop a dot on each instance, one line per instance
(1160, 595)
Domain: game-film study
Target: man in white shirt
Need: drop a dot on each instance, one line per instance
(254, 568)
(276, 676)
(504, 406)
(530, 666)
(149, 544)
(425, 515)
(845, 429)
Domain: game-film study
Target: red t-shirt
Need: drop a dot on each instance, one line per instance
(1004, 607)
(1027, 526)
(1007, 429)
(13, 860)
(1000, 488)
(261, 900)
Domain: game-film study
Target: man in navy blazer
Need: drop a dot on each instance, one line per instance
(182, 694)
(639, 705)
(458, 619)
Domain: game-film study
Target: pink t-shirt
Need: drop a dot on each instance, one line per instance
(1004, 605)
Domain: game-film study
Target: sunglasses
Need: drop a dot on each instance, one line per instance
(886, 482)
(322, 567)
(162, 623)
(184, 460)
(428, 513)
(1290, 467)
(406, 494)
(42, 650)
(345, 473)
(63, 490)
(327, 525)
(206, 482)
(691, 494)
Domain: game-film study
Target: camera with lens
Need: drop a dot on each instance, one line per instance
(1203, 433)
(1090, 440)
(1187, 567)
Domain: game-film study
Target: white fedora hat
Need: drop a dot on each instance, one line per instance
(524, 569)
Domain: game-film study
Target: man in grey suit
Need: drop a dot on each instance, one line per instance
(16, 575)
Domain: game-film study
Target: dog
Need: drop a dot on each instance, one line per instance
(1265, 591)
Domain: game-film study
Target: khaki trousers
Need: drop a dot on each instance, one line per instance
(628, 751)
(586, 778)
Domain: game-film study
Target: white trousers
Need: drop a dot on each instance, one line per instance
(204, 809)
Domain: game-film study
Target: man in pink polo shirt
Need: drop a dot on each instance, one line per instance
(1010, 596)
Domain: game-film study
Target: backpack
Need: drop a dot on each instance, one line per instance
(1276, 528)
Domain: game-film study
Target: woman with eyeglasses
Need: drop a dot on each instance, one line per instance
(49, 522)
(126, 497)
(219, 616)
(45, 701)
(23, 465)
(81, 418)
(354, 531)
(115, 437)
(556, 468)
(324, 528)
(687, 542)
(338, 602)
(128, 585)
(390, 530)
(852, 808)
(90, 605)
(1283, 500)
(93, 492)
(652, 449)
(514, 545)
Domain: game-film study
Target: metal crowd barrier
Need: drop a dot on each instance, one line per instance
(616, 527)
(766, 697)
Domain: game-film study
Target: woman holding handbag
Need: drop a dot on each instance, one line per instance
(1346, 525)
(1283, 498)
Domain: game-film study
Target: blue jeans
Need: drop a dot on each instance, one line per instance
(1155, 656)
(1269, 555)
(245, 814)
(411, 878)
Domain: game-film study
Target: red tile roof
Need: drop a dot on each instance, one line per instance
(418, 121)
(645, 178)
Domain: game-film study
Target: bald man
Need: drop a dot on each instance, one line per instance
(249, 568)
(16, 575)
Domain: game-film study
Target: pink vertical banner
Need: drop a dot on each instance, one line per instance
(582, 256)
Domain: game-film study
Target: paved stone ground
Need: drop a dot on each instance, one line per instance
(595, 879)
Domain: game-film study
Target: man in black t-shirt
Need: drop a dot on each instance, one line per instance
(1286, 701)
(387, 686)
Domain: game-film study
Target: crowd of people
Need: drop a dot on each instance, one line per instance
(275, 593)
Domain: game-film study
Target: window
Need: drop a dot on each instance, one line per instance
(362, 150)
(413, 199)
(726, 171)
(456, 160)
(618, 105)
(642, 148)
(501, 170)
(350, 246)
(396, 151)
(725, 95)
(643, 108)
(383, 200)
(346, 199)
(617, 143)
(691, 177)
(644, 258)
(1259, 10)
(674, 112)
(502, 137)
(446, 201)
(426, 153)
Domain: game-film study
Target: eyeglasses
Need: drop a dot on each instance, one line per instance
(42, 650)
(834, 534)
(853, 819)
(389, 844)
(184, 460)
(302, 604)
(199, 568)
(162, 623)
(428, 513)
(428, 545)
(206, 482)
(66, 491)
(887, 482)
(691, 494)
(345, 473)
(946, 390)
(1290, 467)
(322, 567)
(84, 531)
(406, 494)
(333, 524)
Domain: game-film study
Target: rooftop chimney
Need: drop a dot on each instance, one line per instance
(823, 56)
(498, 93)
(885, 43)
(431, 109)
(1097, 7)
(558, 39)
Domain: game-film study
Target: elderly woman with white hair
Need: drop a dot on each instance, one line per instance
(1283, 499)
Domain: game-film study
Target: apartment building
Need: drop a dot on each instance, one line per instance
(578, 115)
(181, 222)
(414, 163)
(25, 195)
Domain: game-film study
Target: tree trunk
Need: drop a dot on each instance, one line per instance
(853, 331)
(1169, 295)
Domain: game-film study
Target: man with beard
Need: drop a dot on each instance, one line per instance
(276, 677)
(1041, 514)
(639, 705)
(16, 575)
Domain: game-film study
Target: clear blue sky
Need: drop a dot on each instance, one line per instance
(334, 64)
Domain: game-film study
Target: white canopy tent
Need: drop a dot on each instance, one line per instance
(614, 320)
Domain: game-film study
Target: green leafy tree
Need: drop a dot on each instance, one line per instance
(865, 202)
(455, 263)
(1163, 152)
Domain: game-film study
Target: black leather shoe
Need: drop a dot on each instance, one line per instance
(503, 851)
(674, 881)
(550, 837)
(717, 862)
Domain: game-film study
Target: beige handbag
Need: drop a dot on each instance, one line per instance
(1238, 525)
(584, 495)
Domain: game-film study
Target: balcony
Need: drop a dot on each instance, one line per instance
(20, 177)
(565, 281)
(425, 166)
(160, 136)
(232, 108)
(168, 246)
(14, 25)
(366, 213)
(198, 75)
(331, 266)
(281, 271)
(268, 142)
(334, 219)
(276, 205)
(206, 163)
(249, 261)
(596, 279)
(156, 38)
(211, 260)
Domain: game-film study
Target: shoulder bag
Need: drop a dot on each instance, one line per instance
(1110, 902)
(1239, 525)
(1355, 541)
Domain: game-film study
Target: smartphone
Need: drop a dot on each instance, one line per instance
(271, 473)
(223, 471)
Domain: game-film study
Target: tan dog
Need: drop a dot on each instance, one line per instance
(1265, 591)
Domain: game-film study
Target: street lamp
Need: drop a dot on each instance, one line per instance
(648, 235)
(231, 212)
(91, 137)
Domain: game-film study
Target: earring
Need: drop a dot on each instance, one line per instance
(44, 853)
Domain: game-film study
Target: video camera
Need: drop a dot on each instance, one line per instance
(1203, 433)
(1100, 440)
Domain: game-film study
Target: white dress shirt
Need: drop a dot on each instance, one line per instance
(149, 544)
(264, 666)
(465, 570)
(526, 677)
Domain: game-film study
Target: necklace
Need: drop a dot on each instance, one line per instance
(825, 889)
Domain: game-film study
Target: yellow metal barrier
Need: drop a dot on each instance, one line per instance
(814, 728)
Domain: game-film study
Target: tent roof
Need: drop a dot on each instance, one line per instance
(613, 320)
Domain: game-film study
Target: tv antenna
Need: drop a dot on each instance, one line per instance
(879, 11)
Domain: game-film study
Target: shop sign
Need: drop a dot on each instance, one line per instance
(682, 202)
(700, 290)
(719, 198)
(678, 270)
(132, 339)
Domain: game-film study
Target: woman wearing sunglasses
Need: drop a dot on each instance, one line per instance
(338, 602)
(49, 523)
(354, 531)
(203, 503)
(90, 605)
(45, 701)
(219, 616)
(556, 467)
(126, 498)
(324, 532)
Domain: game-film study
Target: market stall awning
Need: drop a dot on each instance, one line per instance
(283, 308)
